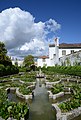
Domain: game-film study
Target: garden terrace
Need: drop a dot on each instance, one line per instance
(9, 108)
(71, 106)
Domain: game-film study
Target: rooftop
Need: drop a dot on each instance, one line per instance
(43, 57)
(66, 45)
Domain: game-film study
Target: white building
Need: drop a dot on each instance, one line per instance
(43, 61)
(58, 53)
(18, 61)
(71, 59)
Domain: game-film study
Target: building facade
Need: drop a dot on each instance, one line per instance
(43, 61)
(60, 54)
(19, 62)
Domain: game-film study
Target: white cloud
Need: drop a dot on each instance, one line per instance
(52, 25)
(22, 35)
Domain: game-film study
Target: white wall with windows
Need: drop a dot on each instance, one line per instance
(68, 51)
(43, 62)
(71, 59)
(58, 54)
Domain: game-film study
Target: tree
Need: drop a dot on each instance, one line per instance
(3, 50)
(2, 70)
(28, 60)
(6, 67)
(4, 59)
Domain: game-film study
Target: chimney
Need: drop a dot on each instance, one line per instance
(56, 42)
(56, 51)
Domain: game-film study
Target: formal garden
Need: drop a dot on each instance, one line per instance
(63, 84)
(64, 88)
(25, 84)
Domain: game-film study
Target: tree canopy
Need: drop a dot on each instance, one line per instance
(3, 50)
(4, 59)
(28, 60)
(6, 67)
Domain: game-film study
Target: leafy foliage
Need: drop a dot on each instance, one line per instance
(12, 109)
(74, 102)
(6, 67)
(4, 59)
(8, 70)
(28, 60)
(24, 90)
(69, 70)
(3, 50)
(57, 88)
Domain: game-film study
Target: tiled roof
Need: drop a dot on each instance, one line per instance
(51, 45)
(43, 57)
(65, 45)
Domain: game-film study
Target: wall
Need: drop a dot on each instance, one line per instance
(51, 52)
(68, 51)
(41, 63)
(20, 62)
(74, 59)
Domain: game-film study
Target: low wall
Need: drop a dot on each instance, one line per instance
(30, 83)
(58, 95)
(23, 96)
(20, 95)
(49, 84)
(66, 116)
(71, 80)
(54, 96)
(31, 87)
(12, 88)
(50, 94)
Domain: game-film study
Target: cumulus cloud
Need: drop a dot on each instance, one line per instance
(22, 35)
(52, 25)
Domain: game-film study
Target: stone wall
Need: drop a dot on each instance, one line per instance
(66, 116)
(23, 96)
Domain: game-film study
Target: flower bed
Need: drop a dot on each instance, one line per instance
(18, 110)
(57, 88)
(12, 109)
(66, 115)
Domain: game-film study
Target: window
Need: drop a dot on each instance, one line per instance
(72, 51)
(63, 52)
(43, 60)
(54, 55)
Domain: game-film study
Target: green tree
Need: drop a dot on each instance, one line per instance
(6, 67)
(2, 70)
(4, 59)
(28, 60)
(3, 50)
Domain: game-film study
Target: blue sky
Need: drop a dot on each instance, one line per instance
(67, 13)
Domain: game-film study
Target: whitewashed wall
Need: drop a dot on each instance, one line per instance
(74, 58)
(51, 52)
(52, 60)
(20, 62)
(68, 51)
(41, 63)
